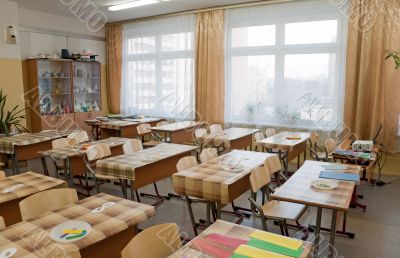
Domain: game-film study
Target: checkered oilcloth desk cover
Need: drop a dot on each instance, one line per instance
(116, 125)
(124, 166)
(226, 229)
(7, 143)
(31, 238)
(72, 151)
(209, 181)
(32, 183)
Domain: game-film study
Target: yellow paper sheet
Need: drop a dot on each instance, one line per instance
(290, 243)
(73, 231)
(253, 252)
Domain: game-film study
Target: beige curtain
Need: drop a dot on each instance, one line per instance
(210, 70)
(114, 66)
(372, 94)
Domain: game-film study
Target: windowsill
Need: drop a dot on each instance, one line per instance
(302, 127)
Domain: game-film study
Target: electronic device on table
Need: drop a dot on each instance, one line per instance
(363, 146)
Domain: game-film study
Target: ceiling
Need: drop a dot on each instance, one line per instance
(56, 7)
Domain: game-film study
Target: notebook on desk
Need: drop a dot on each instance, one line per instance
(340, 176)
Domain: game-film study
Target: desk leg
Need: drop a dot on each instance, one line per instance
(15, 163)
(44, 166)
(333, 234)
(189, 204)
(317, 232)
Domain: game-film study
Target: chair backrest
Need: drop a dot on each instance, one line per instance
(143, 129)
(313, 138)
(186, 163)
(2, 224)
(79, 137)
(162, 123)
(270, 132)
(259, 136)
(132, 146)
(208, 154)
(259, 178)
(272, 165)
(330, 145)
(156, 242)
(45, 201)
(2, 175)
(200, 132)
(98, 151)
(216, 129)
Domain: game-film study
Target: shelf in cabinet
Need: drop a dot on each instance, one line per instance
(83, 77)
(54, 77)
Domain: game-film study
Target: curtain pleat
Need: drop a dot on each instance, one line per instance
(372, 84)
(114, 66)
(210, 70)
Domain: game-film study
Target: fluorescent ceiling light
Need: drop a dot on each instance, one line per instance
(133, 4)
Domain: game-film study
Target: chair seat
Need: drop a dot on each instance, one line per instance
(283, 210)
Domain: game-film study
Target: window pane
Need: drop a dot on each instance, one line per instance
(141, 45)
(177, 42)
(177, 85)
(253, 36)
(311, 32)
(312, 74)
(142, 84)
(252, 88)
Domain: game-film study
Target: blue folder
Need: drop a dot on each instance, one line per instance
(340, 176)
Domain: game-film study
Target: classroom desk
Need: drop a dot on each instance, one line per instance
(31, 183)
(27, 145)
(209, 181)
(193, 249)
(232, 138)
(111, 230)
(298, 189)
(145, 167)
(368, 164)
(292, 147)
(180, 132)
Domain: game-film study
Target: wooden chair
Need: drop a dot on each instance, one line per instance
(278, 211)
(316, 152)
(79, 137)
(270, 132)
(2, 224)
(2, 175)
(132, 146)
(330, 147)
(144, 131)
(61, 165)
(93, 154)
(42, 202)
(156, 242)
(208, 154)
(183, 164)
(161, 123)
(258, 137)
(186, 163)
(216, 129)
(274, 168)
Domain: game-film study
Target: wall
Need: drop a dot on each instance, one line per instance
(43, 33)
(11, 81)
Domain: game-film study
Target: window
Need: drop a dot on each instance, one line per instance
(158, 68)
(283, 69)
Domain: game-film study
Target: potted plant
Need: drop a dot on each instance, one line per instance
(10, 118)
(396, 57)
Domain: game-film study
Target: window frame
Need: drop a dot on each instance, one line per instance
(279, 50)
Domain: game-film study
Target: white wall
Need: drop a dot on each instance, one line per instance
(8, 17)
(43, 33)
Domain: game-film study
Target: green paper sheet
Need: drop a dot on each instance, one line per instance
(275, 248)
(238, 256)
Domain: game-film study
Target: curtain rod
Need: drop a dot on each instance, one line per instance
(222, 7)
